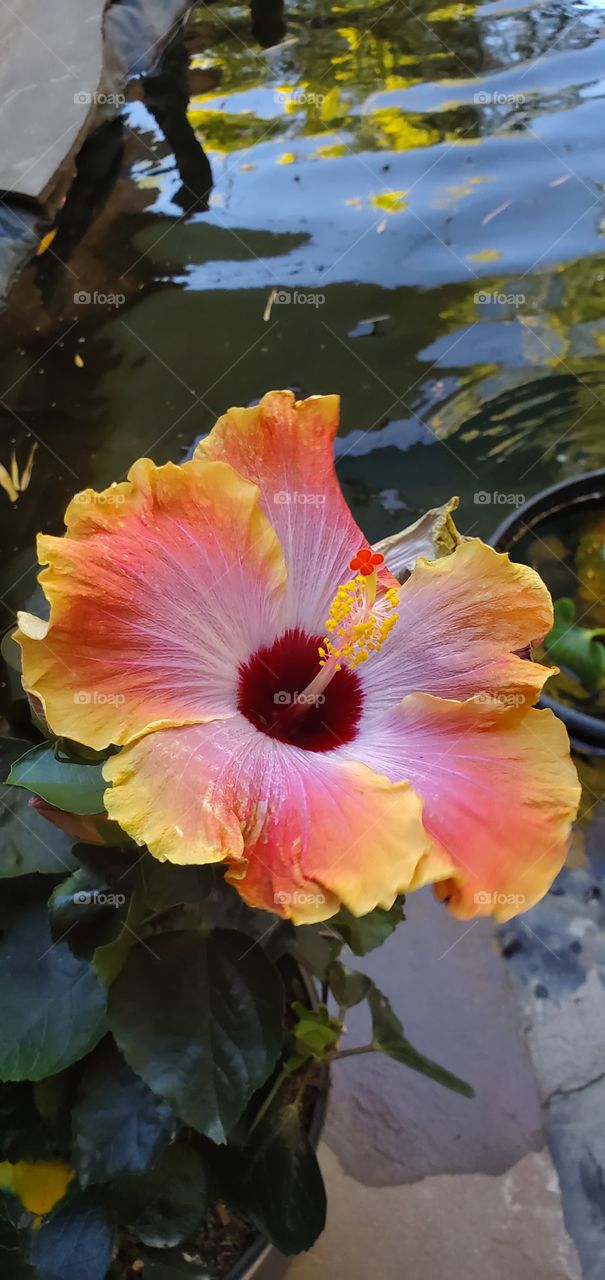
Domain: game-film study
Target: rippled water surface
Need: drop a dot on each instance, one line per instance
(406, 208)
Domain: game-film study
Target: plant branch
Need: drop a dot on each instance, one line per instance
(337, 1054)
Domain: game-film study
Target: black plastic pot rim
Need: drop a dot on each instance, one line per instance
(586, 732)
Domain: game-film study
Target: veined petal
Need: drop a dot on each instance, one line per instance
(286, 447)
(499, 790)
(461, 620)
(302, 831)
(160, 587)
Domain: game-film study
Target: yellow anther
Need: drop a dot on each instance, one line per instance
(357, 625)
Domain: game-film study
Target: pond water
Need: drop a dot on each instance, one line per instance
(403, 204)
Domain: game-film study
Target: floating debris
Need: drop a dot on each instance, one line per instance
(365, 328)
(489, 217)
(270, 301)
(14, 483)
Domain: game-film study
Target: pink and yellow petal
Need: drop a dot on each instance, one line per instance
(463, 620)
(286, 447)
(499, 789)
(301, 831)
(160, 588)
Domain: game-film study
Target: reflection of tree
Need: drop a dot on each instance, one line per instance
(167, 96)
(268, 26)
(98, 165)
(342, 55)
(549, 383)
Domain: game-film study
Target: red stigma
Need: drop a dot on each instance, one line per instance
(365, 561)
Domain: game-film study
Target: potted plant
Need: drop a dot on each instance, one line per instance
(214, 805)
(561, 533)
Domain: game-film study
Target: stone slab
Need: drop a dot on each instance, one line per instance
(448, 1227)
(576, 1125)
(447, 982)
(50, 69)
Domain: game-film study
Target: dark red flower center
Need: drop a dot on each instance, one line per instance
(271, 695)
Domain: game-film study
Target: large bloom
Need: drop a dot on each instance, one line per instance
(282, 705)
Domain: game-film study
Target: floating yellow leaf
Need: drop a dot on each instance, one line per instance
(38, 1186)
(287, 157)
(46, 242)
(13, 483)
(28, 468)
(79, 361)
(7, 484)
(485, 255)
(390, 201)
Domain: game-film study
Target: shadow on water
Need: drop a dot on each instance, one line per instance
(402, 206)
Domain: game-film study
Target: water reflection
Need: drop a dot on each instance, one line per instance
(434, 177)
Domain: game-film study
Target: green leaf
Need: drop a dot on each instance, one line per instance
(76, 788)
(316, 948)
(281, 1186)
(314, 1033)
(110, 958)
(167, 885)
(347, 985)
(166, 1204)
(364, 933)
(199, 1017)
(87, 912)
(75, 1242)
(118, 1124)
(575, 647)
(27, 842)
(14, 1245)
(388, 1037)
(52, 1008)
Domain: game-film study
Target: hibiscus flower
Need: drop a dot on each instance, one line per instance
(281, 704)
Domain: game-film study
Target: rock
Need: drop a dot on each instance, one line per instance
(52, 57)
